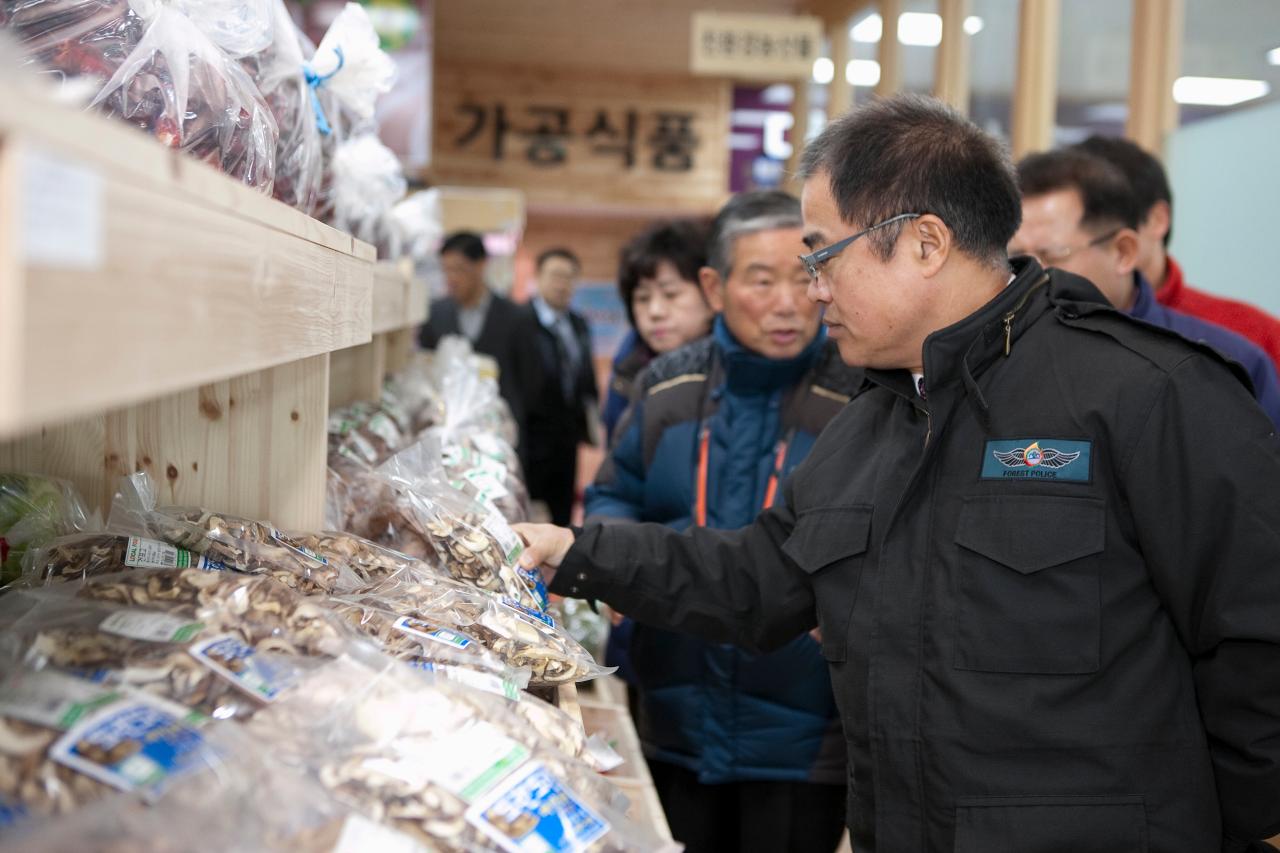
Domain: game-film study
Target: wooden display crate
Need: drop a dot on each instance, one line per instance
(399, 308)
(613, 723)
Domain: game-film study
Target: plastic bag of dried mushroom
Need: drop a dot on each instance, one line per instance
(67, 743)
(522, 637)
(485, 468)
(474, 544)
(370, 561)
(227, 541)
(222, 670)
(453, 768)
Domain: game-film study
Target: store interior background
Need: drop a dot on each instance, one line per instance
(537, 60)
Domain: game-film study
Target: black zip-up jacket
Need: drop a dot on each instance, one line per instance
(1049, 594)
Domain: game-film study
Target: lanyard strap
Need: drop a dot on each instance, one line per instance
(704, 454)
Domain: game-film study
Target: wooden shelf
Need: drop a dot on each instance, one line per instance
(159, 316)
(129, 271)
(400, 306)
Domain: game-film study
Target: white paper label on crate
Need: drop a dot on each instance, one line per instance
(151, 626)
(135, 744)
(50, 698)
(534, 812)
(508, 540)
(361, 835)
(427, 631)
(61, 216)
(473, 760)
(152, 554)
(240, 663)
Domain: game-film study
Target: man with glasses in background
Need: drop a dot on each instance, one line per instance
(1079, 214)
(1040, 543)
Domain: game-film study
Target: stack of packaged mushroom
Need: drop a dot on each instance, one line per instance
(179, 666)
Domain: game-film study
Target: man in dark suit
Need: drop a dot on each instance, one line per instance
(495, 326)
(561, 416)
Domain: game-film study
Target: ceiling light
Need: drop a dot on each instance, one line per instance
(1273, 56)
(922, 29)
(824, 70)
(1218, 91)
(973, 25)
(868, 30)
(862, 72)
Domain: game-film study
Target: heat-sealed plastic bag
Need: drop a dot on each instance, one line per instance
(216, 671)
(226, 541)
(453, 768)
(366, 433)
(477, 463)
(35, 509)
(370, 561)
(471, 400)
(475, 544)
(521, 636)
(86, 555)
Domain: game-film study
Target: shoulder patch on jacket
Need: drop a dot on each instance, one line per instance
(691, 359)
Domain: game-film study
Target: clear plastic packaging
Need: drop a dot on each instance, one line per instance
(523, 638)
(475, 544)
(453, 768)
(35, 509)
(367, 180)
(227, 541)
(355, 69)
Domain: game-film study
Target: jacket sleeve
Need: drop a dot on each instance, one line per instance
(618, 490)
(729, 586)
(1202, 483)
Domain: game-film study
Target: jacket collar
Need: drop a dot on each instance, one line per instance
(748, 372)
(1145, 304)
(953, 355)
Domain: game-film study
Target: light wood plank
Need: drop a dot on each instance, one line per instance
(356, 374)
(1035, 96)
(1155, 58)
(951, 73)
(889, 50)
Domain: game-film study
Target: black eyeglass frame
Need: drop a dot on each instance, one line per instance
(813, 262)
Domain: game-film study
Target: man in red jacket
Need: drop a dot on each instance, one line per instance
(1151, 187)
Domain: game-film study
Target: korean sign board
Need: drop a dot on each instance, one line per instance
(762, 47)
(570, 137)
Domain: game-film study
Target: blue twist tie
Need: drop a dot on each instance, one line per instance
(314, 82)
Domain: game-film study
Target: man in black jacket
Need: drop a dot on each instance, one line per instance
(495, 326)
(560, 415)
(1041, 544)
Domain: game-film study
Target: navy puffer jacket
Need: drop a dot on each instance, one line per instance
(724, 713)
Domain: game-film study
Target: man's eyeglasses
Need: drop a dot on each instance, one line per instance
(813, 263)
(1049, 256)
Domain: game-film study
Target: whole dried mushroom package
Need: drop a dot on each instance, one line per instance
(450, 767)
(523, 638)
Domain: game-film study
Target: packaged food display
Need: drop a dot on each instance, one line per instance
(34, 510)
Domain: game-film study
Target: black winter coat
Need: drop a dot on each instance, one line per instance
(1049, 595)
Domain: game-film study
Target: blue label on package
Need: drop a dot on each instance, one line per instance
(533, 579)
(10, 812)
(533, 812)
(530, 612)
(1038, 459)
(133, 745)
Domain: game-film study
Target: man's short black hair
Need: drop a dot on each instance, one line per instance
(913, 154)
(1104, 191)
(1145, 173)
(680, 242)
(558, 252)
(466, 243)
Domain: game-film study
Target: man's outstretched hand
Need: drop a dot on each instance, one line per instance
(545, 547)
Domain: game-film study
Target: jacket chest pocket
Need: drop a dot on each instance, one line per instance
(1028, 585)
(830, 545)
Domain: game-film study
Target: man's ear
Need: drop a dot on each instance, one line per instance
(712, 288)
(1159, 219)
(929, 241)
(1127, 246)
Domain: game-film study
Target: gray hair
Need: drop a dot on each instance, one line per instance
(749, 213)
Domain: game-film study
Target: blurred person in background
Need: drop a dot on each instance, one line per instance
(1079, 214)
(562, 413)
(1155, 227)
(494, 325)
(744, 748)
(658, 282)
